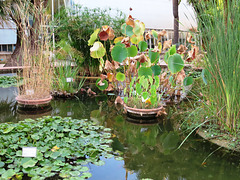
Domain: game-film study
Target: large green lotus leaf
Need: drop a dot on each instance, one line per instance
(172, 50)
(119, 53)
(139, 28)
(155, 34)
(103, 86)
(132, 51)
(97, 51)
(8, 174)
(188, 81)
(175, 63)
(127, 30)
(156, 70)
(93, 37)
(145, 71)
(154, 56)
(142, 46)
(120, 76)
(28, 162)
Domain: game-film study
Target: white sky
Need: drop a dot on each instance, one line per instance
(154, 13)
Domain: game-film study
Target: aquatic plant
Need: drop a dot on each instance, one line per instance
(65, 80)
(219, 28)
(64, 146)
(134, 67)
(8, 81)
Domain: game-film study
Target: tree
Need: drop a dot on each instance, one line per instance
(176, 20)
(9, 11)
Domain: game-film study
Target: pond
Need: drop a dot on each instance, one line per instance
(148, 150)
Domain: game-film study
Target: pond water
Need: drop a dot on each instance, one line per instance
(148, 150)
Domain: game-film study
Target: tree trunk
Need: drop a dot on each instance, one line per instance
(176, 21)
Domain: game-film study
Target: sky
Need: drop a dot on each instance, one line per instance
(154, 13)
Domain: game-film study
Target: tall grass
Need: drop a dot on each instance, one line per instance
(219, 24)
(36, 51)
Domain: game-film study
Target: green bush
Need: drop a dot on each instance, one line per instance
(74, 28)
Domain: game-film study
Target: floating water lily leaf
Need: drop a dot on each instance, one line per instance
(188, 81)
(93, 37)
(142, 46)
(145, 71)
(97, 51)
(127, 30)
(119, 53)
(175, 63)
(8, 174)
(156, 70)
(154, 56)
(28, 162)
(120, 76)
(103, 85)
(132, 51)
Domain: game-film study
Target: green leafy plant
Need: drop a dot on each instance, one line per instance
(141, 74)
(8, 81)
(74, 27)
(219, 28)
(65, 80)
(64, 146)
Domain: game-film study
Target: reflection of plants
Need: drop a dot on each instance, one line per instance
(8, 81)
(65, 80)
(63, 145)
(7, 110)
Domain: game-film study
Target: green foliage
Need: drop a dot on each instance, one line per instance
(65, 79)
(8, 81)
(119, 53)
(103, 85)
(64, 146)
(175, 63)
(76, 26)
(219, 27)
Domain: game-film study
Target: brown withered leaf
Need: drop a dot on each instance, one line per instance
(103, 35)
(110, 88)
(192, 54)
(119, 100)
(161, 34)
(156, 49)
(148, 35)
(100, 83)
(162, 111)
(90, 92)
(130, 21)
(167, 44)
(132, 68)
(126, 42)
(110, 77)
(141, 58)
(103, 76)
(189, 39)
(108, 66)
(193, 29)
(180, 77)
(182, 49)
(115, 64)
(163, 76)
(110, 32)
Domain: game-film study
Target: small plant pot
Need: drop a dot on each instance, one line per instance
(143, 113)
(34, 104)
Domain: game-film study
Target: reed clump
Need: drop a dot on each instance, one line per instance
(36, 54)
(218, 22)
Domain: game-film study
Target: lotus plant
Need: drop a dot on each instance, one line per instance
(129, 62)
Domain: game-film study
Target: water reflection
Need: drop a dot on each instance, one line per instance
(149, 149)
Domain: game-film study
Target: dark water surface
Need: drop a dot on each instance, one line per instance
(149, 150)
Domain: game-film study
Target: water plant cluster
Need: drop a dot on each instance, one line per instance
(64, 147)
(8, 81)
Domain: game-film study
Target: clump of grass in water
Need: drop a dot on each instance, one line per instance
(219, 26)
